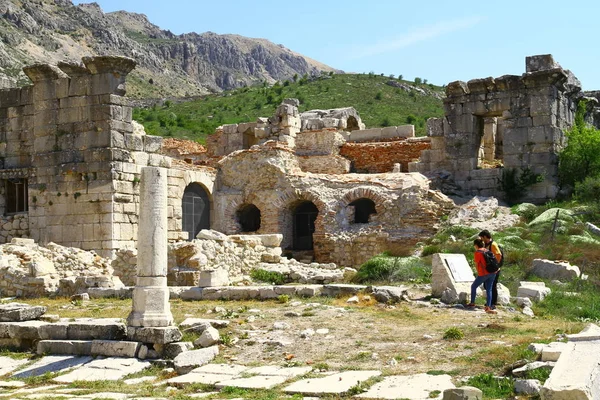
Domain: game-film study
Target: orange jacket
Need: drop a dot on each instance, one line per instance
(480, 262)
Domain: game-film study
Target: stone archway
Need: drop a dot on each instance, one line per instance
(352, 124)
(195, 207)
(248, 217)
(304, 216)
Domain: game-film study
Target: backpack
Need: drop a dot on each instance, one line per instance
(501, 262)
(491, 264)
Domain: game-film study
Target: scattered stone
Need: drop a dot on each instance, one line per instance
(187, 361)
(536, 347)
(17, 312)
(336, 383)
(172, 350)
(160, 335)
(322, 331)
(523, 301)
(80, 297)
(353, 300)
(408, 387)
(209, 337)
(390, 294)
(560, 270)
(552, 351)
(292, 314)
(590, 332)
(215, 323)
(528, 311)
(528, 386)
(306, 333)
(279, 325)
(519, 372)
(463, 393)
(536, 291)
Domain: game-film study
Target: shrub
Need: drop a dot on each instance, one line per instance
(588, 189)
(393, 269)
(273, 277)
(379, 96)
(515, 184)
(453, 334)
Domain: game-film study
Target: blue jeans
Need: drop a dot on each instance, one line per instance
(488, 283)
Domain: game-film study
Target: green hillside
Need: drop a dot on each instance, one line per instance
(378, 103)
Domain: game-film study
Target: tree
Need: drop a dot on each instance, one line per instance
(392, 76)
(418, 80)
(400, 77)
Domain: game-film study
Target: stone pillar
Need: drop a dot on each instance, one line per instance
(151, 294)
(489, 138)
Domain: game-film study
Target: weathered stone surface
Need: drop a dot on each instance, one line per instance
(208, 374)
(160, 335)
(552, 351)
(576, 374)
(451, 275)
(100, 328)
(216, 277)
(253, 382)
(74, 347)
(408, 387)
(109, 369)
(336, 383)
(187, 361)
(209, 337)
(8, 364)
(216, 323)
(590, 332)
(15, 312)
(335, 290)
(527, 386)
(53, 364)
(25, 330)
(172, 350)
(563, 271)
(115, 348)
(390, 294)
(536, 291)
(463, 393)
(531, 366)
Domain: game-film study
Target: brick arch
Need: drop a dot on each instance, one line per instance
(366, 193)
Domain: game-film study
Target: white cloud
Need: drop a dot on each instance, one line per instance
(415, 36)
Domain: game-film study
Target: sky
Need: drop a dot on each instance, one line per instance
(441, 41)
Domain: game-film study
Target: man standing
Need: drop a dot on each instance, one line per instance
(492, 246)
(483, 277)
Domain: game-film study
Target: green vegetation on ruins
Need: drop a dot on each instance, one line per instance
(378, 103)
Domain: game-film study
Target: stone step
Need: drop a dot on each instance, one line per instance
(73, 347)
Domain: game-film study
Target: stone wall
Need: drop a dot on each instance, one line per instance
(329, 164)
(70, 137)
(380, 157)
(13, 226)
(514, 122)
(406, 211)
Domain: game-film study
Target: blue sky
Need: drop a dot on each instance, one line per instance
(441, 41)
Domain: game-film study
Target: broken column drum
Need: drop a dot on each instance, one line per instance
(151, 295)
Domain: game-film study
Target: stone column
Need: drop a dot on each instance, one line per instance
(151, 294)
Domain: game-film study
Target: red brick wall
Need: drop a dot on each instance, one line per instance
(381, 156)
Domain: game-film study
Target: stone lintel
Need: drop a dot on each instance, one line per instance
(44, 72)
(540, 62)
(508, 82)
(109, 64)
(556, 76)
(457, 88)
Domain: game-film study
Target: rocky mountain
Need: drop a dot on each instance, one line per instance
(168, 64)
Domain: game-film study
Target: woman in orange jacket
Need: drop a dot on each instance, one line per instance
(483, 277)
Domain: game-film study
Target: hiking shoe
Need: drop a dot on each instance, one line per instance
(489, 310)
(470, 305)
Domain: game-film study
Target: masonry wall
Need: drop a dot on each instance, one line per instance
(380, 157)
(528, 115)
(70, 135)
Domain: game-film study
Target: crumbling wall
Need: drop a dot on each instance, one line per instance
(70, 137)
(510, 122)
(380, 157)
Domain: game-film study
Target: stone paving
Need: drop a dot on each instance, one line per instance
(290, 380)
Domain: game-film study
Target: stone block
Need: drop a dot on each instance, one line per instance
(27, 330)
(54, 331)
(187, 361)
(562, 271)
(450, 271)
(16, 312)
(333, 384)
(172, 350)
(536, 291)
(114, 348)
(134, 142)
(541, 62)
(216, 277)
(160, 335)
(406, 131)
(106, 329)
(74, 347)
(417, 386)
(152, 144)
(209, 337)
(552, 351)
(463, 393)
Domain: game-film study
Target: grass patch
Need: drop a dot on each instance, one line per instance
(491, 386)
(453, 334)
(584, 307)
(272, 277)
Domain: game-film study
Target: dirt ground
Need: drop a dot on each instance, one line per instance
(405, 338)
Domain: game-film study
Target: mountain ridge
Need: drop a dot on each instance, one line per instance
(189, 64)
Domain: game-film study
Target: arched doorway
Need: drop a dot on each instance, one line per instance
(248, 216)
(195, 208)
(363, 208)
(305, 215)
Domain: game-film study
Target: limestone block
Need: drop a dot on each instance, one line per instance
(160, 335)
(172, 350)
(389, 132)
(536, 291)
(463, 393)
(114, 348)
(106, 329)
(209, 337)
(187, 361)
(576, 374)
(406, 131)
(54, 331)
(540, 63)
(552, 351)
(548, 269)
(134, 142)
(75, 347)
(27, 330)
(450, 271)
(216, 277)
(590, 332)
(15, 312)
(334, 384)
